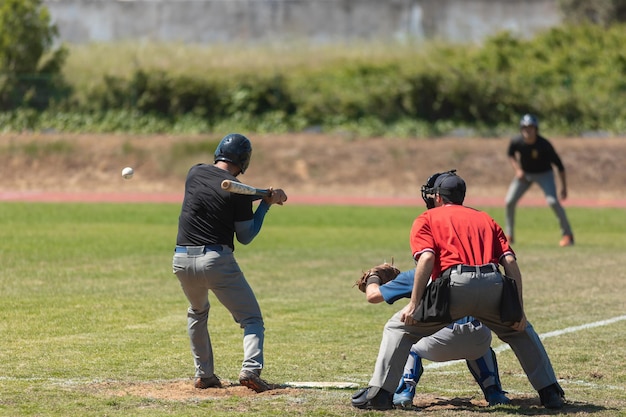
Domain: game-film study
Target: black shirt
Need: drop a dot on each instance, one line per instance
(209, 213)
(537, 157)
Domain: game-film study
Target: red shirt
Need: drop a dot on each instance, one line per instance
(456, 234)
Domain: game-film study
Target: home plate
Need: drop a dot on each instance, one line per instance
(321, 384)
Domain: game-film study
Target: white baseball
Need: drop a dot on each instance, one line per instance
(127, 173)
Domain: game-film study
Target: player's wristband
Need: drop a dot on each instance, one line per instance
(373, 280)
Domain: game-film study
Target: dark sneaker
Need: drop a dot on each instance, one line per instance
(253, 381)
(211, 382)
(552, 396)
(495, 396)
(372, 398)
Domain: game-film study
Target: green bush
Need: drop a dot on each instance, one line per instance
(30, 70)
(599, 12)
(571, 76)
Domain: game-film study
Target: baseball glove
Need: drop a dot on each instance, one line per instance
(383, 272)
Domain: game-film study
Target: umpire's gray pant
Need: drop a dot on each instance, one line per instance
(471, 294)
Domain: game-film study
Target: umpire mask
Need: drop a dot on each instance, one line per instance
(428, 189)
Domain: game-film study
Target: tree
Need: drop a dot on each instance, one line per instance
(598, 12)
(30, 68)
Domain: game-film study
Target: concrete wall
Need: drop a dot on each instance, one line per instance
(317, 21)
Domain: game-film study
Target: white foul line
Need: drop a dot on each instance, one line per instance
(433, 365)
(504, 346)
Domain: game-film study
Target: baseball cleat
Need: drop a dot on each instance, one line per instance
(552, 396)
(495, 396)
(567, 240)
(253, 381)
(403, 397)
(211, 382)
(372, 398)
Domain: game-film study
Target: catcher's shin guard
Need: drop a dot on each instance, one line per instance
(413, 371)
(485, 372)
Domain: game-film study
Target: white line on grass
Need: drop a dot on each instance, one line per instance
(433, 365)
(504, 346)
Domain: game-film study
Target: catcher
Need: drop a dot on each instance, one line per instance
(466, 338)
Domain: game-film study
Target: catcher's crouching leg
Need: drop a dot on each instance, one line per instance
(485, 372)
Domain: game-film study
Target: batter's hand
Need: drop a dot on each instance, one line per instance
(564, 194)
(277, 196)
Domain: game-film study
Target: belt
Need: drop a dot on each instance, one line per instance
(474, 322)
(198, 249)
(461, 269)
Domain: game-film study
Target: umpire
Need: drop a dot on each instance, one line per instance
(462, 247)
(532, 157)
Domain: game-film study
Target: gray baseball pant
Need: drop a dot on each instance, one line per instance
(518, 188)
(469, 341)
(471, 294)
(220, 273)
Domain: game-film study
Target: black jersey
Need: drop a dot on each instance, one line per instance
(537, 157)
(208, 212)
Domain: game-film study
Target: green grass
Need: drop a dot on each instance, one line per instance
(89, 62)
(87, 297)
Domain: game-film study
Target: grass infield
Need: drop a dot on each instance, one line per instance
(90, 308)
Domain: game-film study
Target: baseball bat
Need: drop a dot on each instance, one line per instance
(239, 188)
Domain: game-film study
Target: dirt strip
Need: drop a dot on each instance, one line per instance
(113, 197)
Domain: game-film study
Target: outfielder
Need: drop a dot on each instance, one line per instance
(460, 249)
(465, 339)
(532, 157)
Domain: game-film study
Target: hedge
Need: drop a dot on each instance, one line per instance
(571, 76)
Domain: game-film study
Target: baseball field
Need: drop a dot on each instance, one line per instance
(94, 322)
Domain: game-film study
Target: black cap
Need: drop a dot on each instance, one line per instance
(529, 120)
(451, 187)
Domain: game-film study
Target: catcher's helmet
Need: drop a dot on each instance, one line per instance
(447, 184)
(529, 120)
(234, 148)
